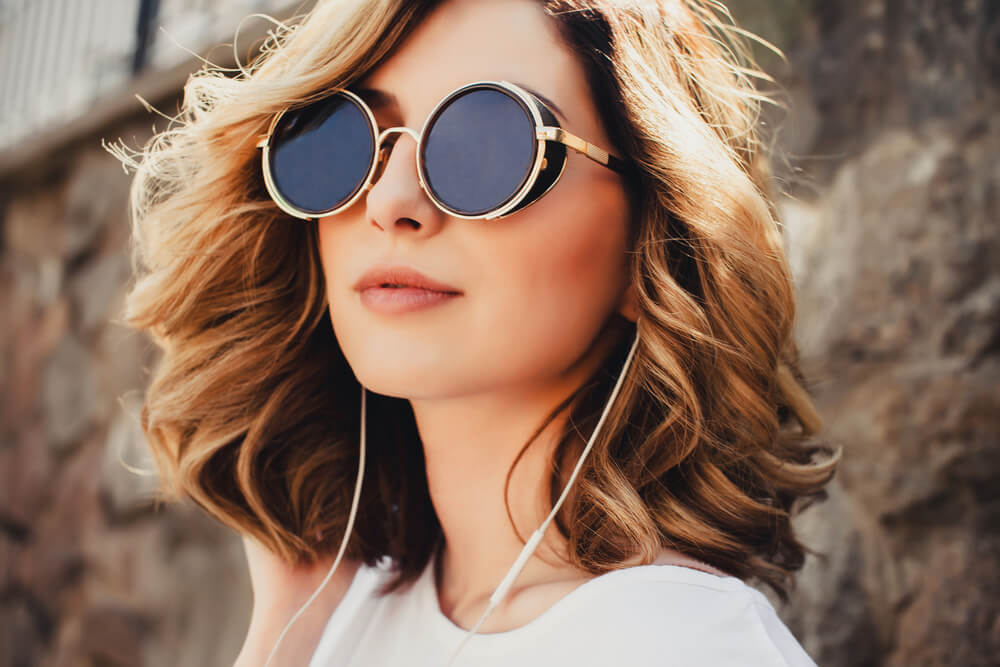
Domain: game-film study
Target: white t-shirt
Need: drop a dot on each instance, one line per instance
(663, 615)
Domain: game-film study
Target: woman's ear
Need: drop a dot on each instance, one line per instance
(628, 305)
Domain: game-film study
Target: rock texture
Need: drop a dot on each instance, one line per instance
(91, 573)
(889, 151)
(892, 150)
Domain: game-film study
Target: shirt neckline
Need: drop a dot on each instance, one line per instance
(488, 644)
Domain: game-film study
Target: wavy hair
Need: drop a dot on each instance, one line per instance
(252, 410)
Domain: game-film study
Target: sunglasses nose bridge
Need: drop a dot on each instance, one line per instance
(381, 151)
(384, 134)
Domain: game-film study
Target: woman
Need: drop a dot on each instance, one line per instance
(497, 324)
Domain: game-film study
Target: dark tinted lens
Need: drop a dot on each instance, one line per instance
(320, 154)
(478, 150)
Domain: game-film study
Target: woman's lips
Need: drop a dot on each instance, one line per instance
(393, 300)
(398, 288)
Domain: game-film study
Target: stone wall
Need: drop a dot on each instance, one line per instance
(891, 148)
(893, 166)
(90, 572)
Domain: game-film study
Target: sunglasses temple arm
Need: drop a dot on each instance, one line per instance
(619, 165)
(598, 155)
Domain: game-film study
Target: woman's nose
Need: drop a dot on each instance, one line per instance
(395, 194)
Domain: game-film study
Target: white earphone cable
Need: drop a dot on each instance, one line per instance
(343, 542)
(529, 548)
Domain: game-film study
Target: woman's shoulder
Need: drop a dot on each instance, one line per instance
(704, 618)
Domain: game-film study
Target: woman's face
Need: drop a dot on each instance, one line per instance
(536, 286)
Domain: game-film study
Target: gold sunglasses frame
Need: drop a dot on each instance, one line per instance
(543, 133)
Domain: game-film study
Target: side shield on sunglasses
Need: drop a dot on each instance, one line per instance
(488, 149)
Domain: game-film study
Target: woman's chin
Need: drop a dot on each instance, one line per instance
(409, 381)
(425, 383)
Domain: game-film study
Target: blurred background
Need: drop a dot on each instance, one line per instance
(889, 153)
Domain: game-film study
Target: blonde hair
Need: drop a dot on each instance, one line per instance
(252, 411)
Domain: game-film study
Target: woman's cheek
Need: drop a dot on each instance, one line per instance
(541, 318)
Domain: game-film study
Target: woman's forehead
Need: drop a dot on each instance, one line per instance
(473, 40)
(384, 100)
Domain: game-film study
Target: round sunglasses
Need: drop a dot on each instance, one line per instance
(487, 150)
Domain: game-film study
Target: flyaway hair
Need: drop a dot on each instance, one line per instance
(252, 410)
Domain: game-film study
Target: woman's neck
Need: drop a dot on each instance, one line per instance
(469, 445)
(470, 442)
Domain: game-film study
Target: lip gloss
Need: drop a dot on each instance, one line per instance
(394, 300)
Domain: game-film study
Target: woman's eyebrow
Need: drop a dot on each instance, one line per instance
(375, 98)
(380, 99)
